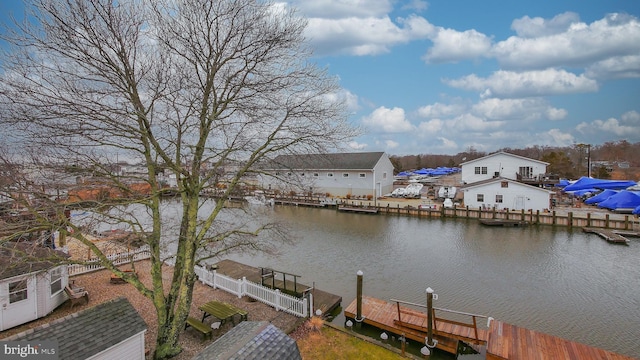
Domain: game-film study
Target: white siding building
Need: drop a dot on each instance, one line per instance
(503, 193)
(340, 174)
(505, 165)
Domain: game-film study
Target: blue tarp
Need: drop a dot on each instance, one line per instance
(582, 192)
(589, 183)
(636, 211)
(563, 183)
(622, 200)
(600, 197)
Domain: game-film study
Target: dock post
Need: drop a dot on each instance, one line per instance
(429, 340)
(359, 317)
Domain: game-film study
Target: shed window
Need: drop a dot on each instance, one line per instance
(316, 174)
(362, 175)
(504, 184)
(17, 291)
(56, 280)
(483, 170)
(499, 199)
(329, 174)
(480, 197)
(477, 170)
(345, 175)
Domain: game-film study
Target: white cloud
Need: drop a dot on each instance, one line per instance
(615, 68)
(555, 137)
(450, 46)
(387, 120)
(431, 127)
(343, 8)
(441, 110)
(470, 122)
(509, 84)
(391, 144)
(363, 36)
(579, 44)
(535, 27)
(417, 5)
(357, 146)
(517, 109)
(627, 127)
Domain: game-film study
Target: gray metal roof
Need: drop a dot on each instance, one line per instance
(91, 331)
(252, 340)
(19, 258)
(337, 161)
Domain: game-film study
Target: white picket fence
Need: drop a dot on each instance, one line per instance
(141, 253)
(243, 287)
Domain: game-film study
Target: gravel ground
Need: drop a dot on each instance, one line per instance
(101, 290)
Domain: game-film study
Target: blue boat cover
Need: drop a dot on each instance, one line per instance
(636, 211)
(588, 183)
(622, 200)
(600, 197)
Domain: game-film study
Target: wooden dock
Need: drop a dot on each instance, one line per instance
(503, 222)
(299, 203)
(609, 235)
(358, 209)
(401, 320)
(511, 342)
(322, 300)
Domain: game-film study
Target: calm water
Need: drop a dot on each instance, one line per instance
(564, 283)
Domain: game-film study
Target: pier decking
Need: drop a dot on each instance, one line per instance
(323, 300)
(608, 235)
(502, 341)
(511, 342)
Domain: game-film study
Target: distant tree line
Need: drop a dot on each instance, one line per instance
(613, 159)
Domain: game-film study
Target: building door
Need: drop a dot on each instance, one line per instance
(18, 301)
(519, 202)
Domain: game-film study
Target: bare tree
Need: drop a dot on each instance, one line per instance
(190, 85)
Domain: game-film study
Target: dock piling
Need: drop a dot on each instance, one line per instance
(430, 342)
(359, 299)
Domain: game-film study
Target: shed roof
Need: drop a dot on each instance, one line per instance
(22, 257)
(252, 340)
(336, 161)
(501, 179)
(91, 331)
(506, 154)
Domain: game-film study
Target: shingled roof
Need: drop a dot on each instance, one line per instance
(19, 258)
(252, 340)
(89, 332)
(337, 161)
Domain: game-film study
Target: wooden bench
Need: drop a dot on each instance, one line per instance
(76, 295)
(199, 326)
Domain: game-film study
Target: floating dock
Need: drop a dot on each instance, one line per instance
(322, 300)
(504, 222)
(609, 235)
(358, 209)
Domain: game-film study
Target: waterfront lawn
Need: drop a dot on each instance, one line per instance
(328, 343)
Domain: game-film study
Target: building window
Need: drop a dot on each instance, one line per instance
(345, 175)
(17, 291)
(484, 170)
(329, 174)
(499, 199)
(526, 172)
(301, 174)
(362, 175)
(504, 184)
(477, 170)
(316, 174)
(56, 280)
(480, 197)
(289, 174)
(384, 175)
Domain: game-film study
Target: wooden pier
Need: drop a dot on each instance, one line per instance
(358, 209)
(512, 342)
(299, 203)
(504, 222)
(609, 235)
(322, 300)
(401, 320)
(501, 341)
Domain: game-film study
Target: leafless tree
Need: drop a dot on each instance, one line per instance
(190, 85)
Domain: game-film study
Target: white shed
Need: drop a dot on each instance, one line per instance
(339, 174)
(32, 282)
(503, 193)
(505, 165)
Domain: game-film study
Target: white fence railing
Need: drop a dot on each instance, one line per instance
(141, 253)
(243, 287)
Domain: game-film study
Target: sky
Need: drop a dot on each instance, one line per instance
(442, 77)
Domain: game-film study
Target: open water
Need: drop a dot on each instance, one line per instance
(566, 283)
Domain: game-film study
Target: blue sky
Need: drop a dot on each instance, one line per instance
(440, 77)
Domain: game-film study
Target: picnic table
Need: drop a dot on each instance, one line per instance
(222, 311)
